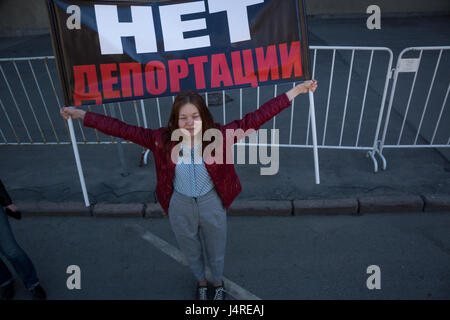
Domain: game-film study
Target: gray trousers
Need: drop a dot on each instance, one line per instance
(199, 225)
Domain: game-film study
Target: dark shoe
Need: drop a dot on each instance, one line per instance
(219, 292)
(38, 293)
(7, 292)
(202, 293)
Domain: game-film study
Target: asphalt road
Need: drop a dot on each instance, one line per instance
(304, 257)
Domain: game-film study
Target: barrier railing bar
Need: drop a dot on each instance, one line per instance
(144, 114)
(29, 102)
(106, 113)
(137, 114)
(42, 99)
(159, 112)
(25, 58)
(223, 100)
(240, 103)
(120, 111)
(369, 71)
(329, 95)
(9, 121)
(440, 114)
(15, 103)
(292, 116)
(428, 96)
(427, 48)
(275, 89)
(346, 97)
(411, 146)
(257, 98)
(300, 146)
(95, 130)
(409, 99)
(55, 93)
(257, 107)
(3, 136)
(82, 131)
(119, 106)
(349, 48)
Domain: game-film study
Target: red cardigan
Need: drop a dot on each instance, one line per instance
(224, 176)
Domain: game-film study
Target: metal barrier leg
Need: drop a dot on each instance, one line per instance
(379, 152)
(383, 160)
(374, 161)
(146, 156)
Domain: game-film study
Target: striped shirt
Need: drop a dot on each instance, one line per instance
(191, 177)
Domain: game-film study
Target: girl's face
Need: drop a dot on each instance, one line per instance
(189, 119)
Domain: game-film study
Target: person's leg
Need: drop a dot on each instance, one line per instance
(183, 217)
(213, 226)
(6, 282)
(14, 253)
(5, 275)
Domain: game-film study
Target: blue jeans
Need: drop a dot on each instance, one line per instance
(14, 253)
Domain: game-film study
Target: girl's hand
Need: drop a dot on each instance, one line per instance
(302, 88)
(309, 85)
(67, 112)
(12, 207)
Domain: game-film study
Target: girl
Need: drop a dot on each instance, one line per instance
(195, 194)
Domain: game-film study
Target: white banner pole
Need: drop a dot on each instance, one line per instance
(314, 136)
(78, 161)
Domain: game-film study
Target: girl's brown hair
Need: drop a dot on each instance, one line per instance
(180, 100)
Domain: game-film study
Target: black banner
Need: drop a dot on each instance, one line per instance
(110, 51)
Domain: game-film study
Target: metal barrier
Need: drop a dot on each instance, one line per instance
(353, 83)
(346, 119)
(417, 116)
(30, 98)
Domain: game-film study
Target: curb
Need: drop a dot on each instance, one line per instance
(154, 210)
(326, 207)
(46, 208)
(113, 210)
(282, 208)
(380, 204)
(261, 208)
(436, 203)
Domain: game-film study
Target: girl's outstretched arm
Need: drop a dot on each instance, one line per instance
(111, 126)
(254, 120)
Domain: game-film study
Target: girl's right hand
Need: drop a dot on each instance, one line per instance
(67, 112)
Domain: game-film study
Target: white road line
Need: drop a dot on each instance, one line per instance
(232, 288)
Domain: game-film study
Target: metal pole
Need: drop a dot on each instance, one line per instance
(78, 161)
(314, 136)
(120, 148)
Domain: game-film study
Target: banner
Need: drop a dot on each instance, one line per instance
(110, 51)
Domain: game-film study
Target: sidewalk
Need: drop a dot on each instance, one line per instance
(43, 179)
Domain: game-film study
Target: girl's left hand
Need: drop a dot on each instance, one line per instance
(309, 85)
(12, 207)
(302, 88)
